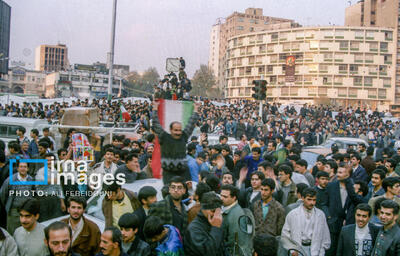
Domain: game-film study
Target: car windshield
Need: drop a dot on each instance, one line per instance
(310, 157)
(94, 206)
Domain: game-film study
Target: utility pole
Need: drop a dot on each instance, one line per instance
(111, 53)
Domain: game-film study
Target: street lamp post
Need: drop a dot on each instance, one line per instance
(111, 53)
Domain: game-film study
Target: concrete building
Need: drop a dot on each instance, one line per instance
(333, 65)
(252, 20)
(81, 83)
(379, 13)
(23, 81)
(51, 58)
(5, 19)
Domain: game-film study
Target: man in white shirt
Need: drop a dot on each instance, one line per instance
(306, 225)
(30, 236)
(358, 239)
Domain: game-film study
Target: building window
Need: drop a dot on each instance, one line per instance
(270, 68)
(370, 35)
(384, 47)
(252, 21)
(354, 45)
(240, 28)
(323, 68)
(359, 34)
(251, 29)
(357, 80)
(274, 36)
(343, 67)
(388, 35)
(344, 44)
(353, 68)
(241, 19)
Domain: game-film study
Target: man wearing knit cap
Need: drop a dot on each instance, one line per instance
(204, 235)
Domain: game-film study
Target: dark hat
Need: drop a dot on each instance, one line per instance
(210, 201)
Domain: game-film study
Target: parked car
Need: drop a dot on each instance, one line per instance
(311, 154)
(342, 142)
(94, 211)
(9, 126)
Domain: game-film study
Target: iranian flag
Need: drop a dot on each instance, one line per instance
(169, 111)
(124, 115)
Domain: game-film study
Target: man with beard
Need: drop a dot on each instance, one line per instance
(30, 236)
(171, 210)
(58, 238)
(85, 233)
(111, 243)
(388, 240)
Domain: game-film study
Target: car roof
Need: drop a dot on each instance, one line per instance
(348, 139)
(21, 121)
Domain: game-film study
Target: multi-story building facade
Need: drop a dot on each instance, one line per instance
(341, 65)
(252, 20)
(5, 19)
(23, 81)
(51, 58)
(81, 83)
(379, 13)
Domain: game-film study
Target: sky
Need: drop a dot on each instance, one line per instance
(147, 31)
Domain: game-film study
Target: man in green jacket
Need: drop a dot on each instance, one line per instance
(236, 240)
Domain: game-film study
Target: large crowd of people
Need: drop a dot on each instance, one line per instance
(258, 197)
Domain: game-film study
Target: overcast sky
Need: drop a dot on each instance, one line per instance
(148, 31)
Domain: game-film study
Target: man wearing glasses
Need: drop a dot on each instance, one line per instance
(171, 210)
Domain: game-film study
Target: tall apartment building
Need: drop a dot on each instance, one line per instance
(341, 66)
(51, 58)
(5, 17)
(379, 13)
(252, 20)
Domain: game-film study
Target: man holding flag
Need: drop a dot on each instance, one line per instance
(175, 115)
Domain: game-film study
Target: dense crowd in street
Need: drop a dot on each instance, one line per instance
(255, 198)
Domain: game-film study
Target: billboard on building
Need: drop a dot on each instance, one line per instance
(290, 70)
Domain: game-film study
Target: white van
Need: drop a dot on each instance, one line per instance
(9, 126)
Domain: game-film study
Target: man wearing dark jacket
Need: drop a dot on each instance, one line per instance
(368, 163)
(341, 202)
(359, 172)
(388, 240)
(131, 243)
(171, 210)
(147, 196)
(359, 238)
(85, 233)
(173, 145)
(131, 169)
(204, 235)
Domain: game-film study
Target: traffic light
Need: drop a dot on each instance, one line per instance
(260, 89)
(256, 90)
(263, 89)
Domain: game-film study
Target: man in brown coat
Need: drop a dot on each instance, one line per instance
(117, 202)
(85, 233)
(268, 213)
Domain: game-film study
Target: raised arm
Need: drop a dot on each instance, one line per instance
(192, 121)
(156, 126)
